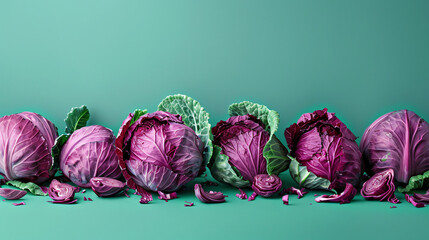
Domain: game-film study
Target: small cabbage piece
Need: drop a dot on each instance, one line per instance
(325, 151)
(106, 187)
(167, 196)
(400, 141)
(245, 145)
(413, 201)
(26, 140)
(422, 197)
(89, 152)
(208, 197)
(158, 152)
(12, 194)
(345, 197)
(300, 192)
(380, 187)
(266, 185)
(241, 195)
(61, 192)
(285, 199)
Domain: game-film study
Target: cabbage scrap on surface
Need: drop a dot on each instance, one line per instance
(399, 141)
(245, 145)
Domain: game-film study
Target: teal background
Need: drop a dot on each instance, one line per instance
(360, 59)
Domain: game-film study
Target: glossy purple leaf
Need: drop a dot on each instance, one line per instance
(26, 140)
(241, 195)
(158, 152)
(208, 197)
(189, 204)
(285, 199)
(411, 200)
(326, 147)
(345, 197)
(266, 185)
(12, 194)
(106, 187)
(61, 191)
(88, 153)
(380, 187)
(397, 140)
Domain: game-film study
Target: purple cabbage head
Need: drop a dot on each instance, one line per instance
(400, 141)
(327, 155)
(242, 139)
(88, 153)
(158, 152)
(26, 140)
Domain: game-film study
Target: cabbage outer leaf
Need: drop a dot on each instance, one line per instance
(274, 151)
(194, 116)
(416, 182)
(137, 114)
(29, 186)
(56, 149)
(305, 178)
(222, 171)
(76, 118)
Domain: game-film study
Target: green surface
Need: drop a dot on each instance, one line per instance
(360, 59)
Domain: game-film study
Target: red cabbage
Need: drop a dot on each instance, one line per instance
(12, 194)
(208, 197)
(326, 152)
(88, 153)
(345, 197)
(400, 141)
(106, 187)
(158, 152)
(245, 145)
(380, 187)
(266, 185)
(26, 140)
